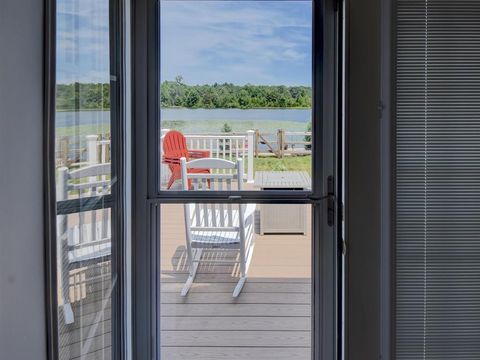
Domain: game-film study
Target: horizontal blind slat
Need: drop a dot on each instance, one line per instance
(437, 179)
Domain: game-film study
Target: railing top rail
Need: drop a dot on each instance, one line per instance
(91, 170)
(287, 133)
(298, 133)
(215, 136)
(89, 185)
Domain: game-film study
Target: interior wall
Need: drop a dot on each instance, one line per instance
(22, 305)
(363, 179)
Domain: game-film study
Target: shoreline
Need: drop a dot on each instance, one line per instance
(185, 108)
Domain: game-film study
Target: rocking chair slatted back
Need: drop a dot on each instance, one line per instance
(216, 226)
(201, 214)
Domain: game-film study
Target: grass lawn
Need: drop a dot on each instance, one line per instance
(82, 130)
(290, 163)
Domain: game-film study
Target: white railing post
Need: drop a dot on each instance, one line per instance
(92, 149)
(62, 183)
(251, 146)
(62, 194)
(62, 246)
(92, 155)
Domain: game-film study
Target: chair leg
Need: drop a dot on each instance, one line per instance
(68, 313)
(175, 175)
(193, 271)
(189, 282)
(171, 181)
(239, 287)
(244, 265)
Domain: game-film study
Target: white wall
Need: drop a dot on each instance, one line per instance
(22, 305)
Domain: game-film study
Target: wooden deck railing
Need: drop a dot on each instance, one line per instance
(283, 143)
(227, 146)
(95, 149)
(78, 151)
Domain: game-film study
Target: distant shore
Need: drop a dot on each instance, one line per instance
(199, 108)
(176, 94)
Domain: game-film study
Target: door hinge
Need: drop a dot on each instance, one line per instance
(330, 200)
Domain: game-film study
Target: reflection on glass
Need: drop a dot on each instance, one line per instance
(236, 83)
(84, 284)
(83, 178)
(235, 281)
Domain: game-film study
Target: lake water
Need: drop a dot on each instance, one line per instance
(295, 115)
(203, 120)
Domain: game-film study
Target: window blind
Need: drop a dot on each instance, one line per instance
(437, 173)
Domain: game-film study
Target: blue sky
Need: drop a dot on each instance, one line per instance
(82, 41)
(256, 42)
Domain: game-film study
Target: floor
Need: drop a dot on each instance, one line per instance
(89, 336)
(271, 319)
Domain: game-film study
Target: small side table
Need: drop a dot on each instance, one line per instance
(283, 218)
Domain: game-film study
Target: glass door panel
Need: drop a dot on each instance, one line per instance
(209, 312)
(236, 83)
(85, 233)
(239, 107)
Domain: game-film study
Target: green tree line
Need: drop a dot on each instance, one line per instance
(225, 96)
(90, 96)
(81, 96)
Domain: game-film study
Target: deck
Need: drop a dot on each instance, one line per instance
(271, 319)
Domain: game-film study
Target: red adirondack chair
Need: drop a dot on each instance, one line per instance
(174, 148)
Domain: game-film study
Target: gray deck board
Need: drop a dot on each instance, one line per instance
(270, 320)
(235, 353)
(240, 323)
(240, 338)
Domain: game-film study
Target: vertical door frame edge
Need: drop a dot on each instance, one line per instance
(50, 254)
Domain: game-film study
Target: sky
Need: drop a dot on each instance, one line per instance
(82, 41)
(240, 42)
(256, 42)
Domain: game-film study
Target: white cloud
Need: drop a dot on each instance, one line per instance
(205, 41)
(82, 41)
(233, 41)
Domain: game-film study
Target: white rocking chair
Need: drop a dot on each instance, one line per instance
(217, 227)
(89, 241)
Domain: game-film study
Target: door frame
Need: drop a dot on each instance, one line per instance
(147, 198)
(117, 200)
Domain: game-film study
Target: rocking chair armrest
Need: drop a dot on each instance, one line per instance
(198, 154)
